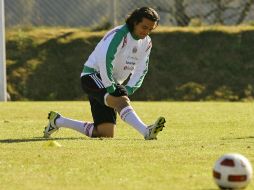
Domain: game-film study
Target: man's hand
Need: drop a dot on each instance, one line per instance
(120, 91)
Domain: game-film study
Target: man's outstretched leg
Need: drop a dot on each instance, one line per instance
(127, 114)
(149, 132)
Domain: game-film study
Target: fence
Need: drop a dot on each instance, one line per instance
(96, 13)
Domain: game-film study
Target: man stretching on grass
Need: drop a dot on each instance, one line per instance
(123, 53)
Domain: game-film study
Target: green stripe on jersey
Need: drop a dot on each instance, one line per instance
(131, 90)
(140, 81)
(110, 56)
(88, 70)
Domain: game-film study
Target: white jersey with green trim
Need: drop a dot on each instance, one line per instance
(117, 56)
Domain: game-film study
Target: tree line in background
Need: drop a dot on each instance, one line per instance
(87, 13)
(222, 12)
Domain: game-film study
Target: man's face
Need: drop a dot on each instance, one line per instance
(143, 28)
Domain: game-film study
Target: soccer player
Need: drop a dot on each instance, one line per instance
(121, 57)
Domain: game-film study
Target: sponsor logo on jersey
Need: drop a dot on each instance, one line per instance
(131, 57)
(128, 67)
(130, 63)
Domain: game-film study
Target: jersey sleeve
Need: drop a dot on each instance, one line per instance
(139, 72)
(111, 45)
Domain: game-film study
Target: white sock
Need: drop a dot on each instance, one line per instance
(82, 127)
(128, 115)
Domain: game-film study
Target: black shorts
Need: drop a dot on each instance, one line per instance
(93, 86)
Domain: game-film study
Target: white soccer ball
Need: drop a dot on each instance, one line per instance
(232, 171)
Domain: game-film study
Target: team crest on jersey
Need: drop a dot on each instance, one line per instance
(134, 50)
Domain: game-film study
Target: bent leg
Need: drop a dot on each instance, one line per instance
(104, 119)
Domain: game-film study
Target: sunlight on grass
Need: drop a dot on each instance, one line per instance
(182, 158)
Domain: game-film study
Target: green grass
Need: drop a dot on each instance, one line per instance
(182, 158)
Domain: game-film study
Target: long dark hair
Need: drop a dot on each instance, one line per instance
(137, 15)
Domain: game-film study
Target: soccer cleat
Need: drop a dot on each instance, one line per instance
(153, 130)
(51, 127)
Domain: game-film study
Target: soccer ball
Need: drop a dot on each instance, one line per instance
(232, 171)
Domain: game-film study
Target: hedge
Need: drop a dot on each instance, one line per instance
(190, 64)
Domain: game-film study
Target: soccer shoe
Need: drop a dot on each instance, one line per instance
(153, 130)
(51, 127)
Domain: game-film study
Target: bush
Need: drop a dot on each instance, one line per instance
(192, 65)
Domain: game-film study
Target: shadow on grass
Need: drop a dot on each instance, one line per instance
(237, 138)
(36, 139)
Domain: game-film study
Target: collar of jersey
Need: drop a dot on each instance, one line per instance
(134, 36)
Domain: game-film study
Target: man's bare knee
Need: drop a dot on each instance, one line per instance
(117, 102)
(105, 130)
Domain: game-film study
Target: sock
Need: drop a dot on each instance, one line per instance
(128, 115)
(85, 128)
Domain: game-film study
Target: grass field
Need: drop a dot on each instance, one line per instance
(182, 158)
